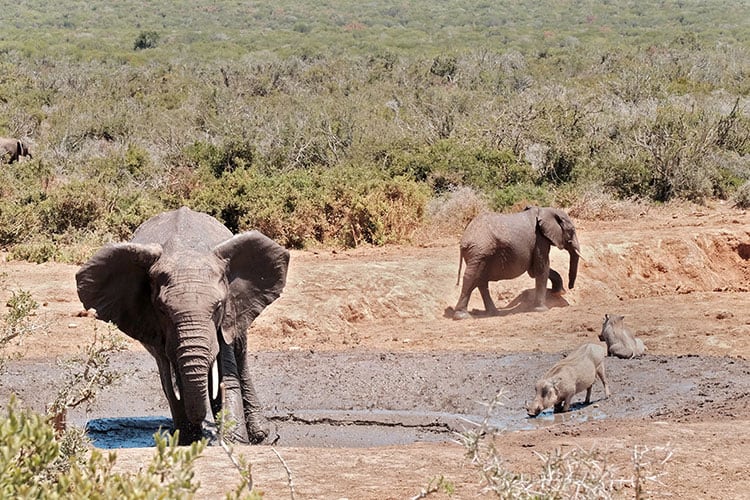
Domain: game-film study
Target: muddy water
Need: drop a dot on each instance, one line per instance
(373, 399)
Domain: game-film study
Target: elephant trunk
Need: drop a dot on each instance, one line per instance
(575, 256)
(194, 358)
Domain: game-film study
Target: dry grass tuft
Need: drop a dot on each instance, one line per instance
(450, 213)
(597, 204)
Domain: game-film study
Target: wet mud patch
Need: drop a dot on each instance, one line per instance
(377, 399)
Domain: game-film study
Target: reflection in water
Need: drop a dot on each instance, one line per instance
(574, 416)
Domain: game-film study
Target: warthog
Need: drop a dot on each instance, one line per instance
(620, 340)
(578, 371)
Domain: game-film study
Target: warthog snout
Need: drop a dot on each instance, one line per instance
(533, 409)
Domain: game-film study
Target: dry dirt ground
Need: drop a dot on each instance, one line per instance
(367, 379)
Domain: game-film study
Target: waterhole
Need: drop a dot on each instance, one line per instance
(381, 399)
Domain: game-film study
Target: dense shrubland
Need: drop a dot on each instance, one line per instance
(350, 123)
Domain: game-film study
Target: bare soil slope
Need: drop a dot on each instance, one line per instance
(367, 377)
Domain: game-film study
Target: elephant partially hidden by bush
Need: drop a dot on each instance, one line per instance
(188, 289)
(11, 149)
(504, 246)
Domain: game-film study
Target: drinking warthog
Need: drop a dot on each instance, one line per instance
(620, 340)
(568, 377)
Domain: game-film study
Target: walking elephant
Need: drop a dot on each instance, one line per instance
(11, 149)
(188, 289)
(504, 246)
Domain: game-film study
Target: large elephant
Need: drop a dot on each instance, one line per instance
(188, 289)
(11, 149)
(504, 246)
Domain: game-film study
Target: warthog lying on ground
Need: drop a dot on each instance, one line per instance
(568, 377)
(620, 340)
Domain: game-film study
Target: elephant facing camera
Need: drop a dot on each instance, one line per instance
(188, 289)
(504, 246)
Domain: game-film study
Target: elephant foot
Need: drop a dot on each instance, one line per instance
(260, 430)
(268, 434)
(192, 433)
(460, 314)
(541, 308)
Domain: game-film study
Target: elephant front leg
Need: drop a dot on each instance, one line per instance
(258, 427)
(180, 422)
(231, 395)
(540, 293)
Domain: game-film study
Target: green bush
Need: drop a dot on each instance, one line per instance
(33, 465)
(74, 206)
(216, 160)
(517, 196)
(37, 252)
(444, 67)
(146, 40)
(17, 222)
(742, 196)
(329, 206)
(447, 165)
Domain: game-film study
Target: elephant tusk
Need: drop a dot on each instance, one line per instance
(215, 380)
(175, 387)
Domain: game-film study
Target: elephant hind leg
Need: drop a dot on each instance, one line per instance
(489, 305)
(257, 427)
(460, 311)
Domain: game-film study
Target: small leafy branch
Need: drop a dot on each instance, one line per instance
(18, 320)
(86, 374)
(436, 485)
(32, 457)
(226, 424)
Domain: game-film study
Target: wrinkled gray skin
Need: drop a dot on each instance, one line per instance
(11, 149)
(504, 246)
(568, 377)
(620, 340)
(188, 289)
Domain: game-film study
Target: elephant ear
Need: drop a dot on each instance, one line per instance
(115, 282)
(551, 222)
(256, 273)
